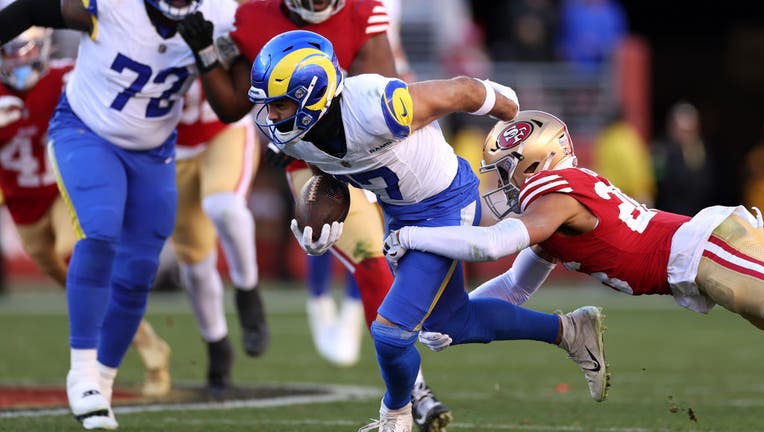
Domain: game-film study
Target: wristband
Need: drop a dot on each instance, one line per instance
(489, 102)
(207, 57)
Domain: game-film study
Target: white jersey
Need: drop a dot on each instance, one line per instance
(399, 171)
(128, 82)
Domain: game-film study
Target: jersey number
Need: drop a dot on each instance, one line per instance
(18, 155)
(374, 177)
(635, 215)
(158, 106)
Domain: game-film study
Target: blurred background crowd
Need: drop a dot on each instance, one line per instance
(662, 100)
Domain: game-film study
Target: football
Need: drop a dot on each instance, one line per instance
(323, 200)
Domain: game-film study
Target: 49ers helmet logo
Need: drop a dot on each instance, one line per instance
(514, 134)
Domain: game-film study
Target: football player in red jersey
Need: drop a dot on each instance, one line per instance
(214, 169)
(574, 216)
(357, 28)
(29, 90)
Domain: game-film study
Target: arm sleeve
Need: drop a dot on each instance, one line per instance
(468, 243)
(517, 284)
(22, 14)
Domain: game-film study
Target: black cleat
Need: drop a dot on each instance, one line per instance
(254, 328)
(430, 415)
(220, 357)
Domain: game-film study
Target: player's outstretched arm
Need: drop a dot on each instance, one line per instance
(435, 98)
(225, 88)
(487, 243)
(22, 14)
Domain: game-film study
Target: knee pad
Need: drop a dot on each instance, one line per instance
(94, 259)
(391, 338)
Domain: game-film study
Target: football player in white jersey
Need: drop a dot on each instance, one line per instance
(381, 134)
(111, 142)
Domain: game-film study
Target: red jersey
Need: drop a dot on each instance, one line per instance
(198, 122)
(258, 21)
(26, 176)
(628, 250)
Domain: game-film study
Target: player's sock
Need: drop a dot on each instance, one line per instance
(398, 362)
(205, 291)
(124, 314)
(487, 319)
(106, 377)
(319, 274)
(236, 228)
(351, 286)
(87, 293)
(374, 280)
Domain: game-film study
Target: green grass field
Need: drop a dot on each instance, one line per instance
(665, 361)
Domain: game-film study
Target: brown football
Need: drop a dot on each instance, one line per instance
(323, 200)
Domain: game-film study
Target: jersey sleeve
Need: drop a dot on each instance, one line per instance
(374, 15)
(543, 183)
(378, 105)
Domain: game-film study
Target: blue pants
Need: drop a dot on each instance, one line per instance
(428, 293)
(123, 206)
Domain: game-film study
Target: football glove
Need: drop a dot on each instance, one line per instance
(329, 235)
(434, 340)
(197, 32)
(393, 249)
(275, 157)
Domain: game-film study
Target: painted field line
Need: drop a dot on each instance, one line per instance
(456, 425)
(336, 393)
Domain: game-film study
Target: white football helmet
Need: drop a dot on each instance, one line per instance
(515, 150)
(314, 11)
(24, 60)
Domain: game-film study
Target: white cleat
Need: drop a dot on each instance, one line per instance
(582, 332)
(345, 345)
(322, 317)
(398, 420)
(89, 406)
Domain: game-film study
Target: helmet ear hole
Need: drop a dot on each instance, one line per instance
(531, 168)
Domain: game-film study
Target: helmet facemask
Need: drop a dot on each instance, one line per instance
(175, 10)
(504, 199)
(24, 60)
(306, 9)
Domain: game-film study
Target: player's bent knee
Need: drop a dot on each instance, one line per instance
(388, 340)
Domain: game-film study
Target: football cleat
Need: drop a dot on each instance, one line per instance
(220, 358)
(582, 332)
(88, 404)
(430, 415)
(398, 420)
(254, 328)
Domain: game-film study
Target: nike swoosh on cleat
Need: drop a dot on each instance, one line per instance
(597, 366)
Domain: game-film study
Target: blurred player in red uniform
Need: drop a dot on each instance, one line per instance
(357, 28)
(574, 216)
(214, 169)
(29, 90)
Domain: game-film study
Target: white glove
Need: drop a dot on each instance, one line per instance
(329, 235)
(505, 91)
(393, 250)
(434, 340)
